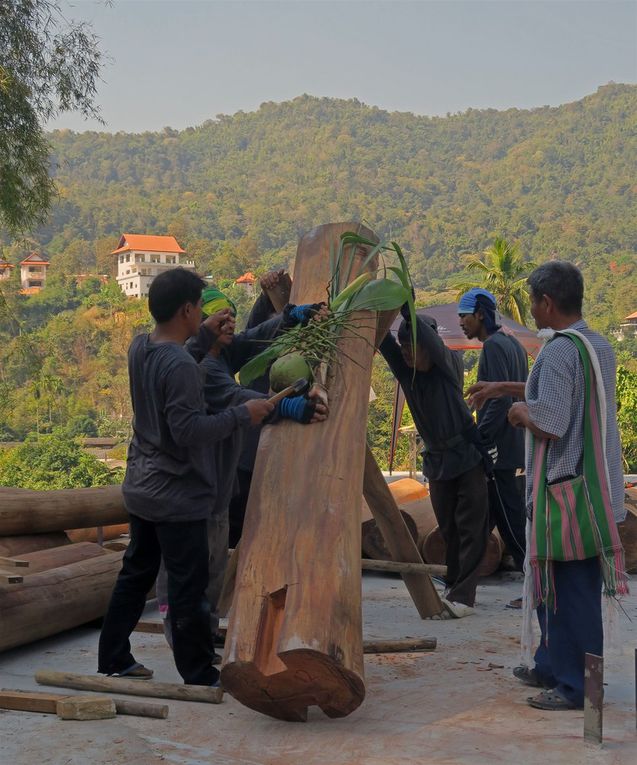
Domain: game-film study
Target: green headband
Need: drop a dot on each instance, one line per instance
(213, 300)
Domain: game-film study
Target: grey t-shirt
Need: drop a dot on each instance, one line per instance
(170, 474)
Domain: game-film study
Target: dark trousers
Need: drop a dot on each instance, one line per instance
(506, 511)
(461, 509)
(572, 630)
(184, 548)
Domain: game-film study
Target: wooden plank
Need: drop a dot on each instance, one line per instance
(146, 688)
(15, 546)
(56, 557)
(593, 697)
(38, 701)
(398, 539)
(404, 645)
(86, 708)
(150, 628)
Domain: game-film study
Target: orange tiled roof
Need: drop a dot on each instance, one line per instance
(30, 290)
(36, 260)
(631, 316)
(5, 264)
(247, 278)
(148, 243)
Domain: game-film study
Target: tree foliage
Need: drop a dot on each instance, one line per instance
(47, 65)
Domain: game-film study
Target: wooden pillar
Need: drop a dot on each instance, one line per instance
(295, 627)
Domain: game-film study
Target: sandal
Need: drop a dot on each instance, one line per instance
(134, 672)
(527, 676)
(551, 701)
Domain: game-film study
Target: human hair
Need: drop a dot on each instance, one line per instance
(486, 307)
(172, 289)
(562, 282)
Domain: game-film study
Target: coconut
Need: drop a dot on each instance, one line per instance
(287, 370)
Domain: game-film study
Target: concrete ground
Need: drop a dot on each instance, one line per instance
(458, 704)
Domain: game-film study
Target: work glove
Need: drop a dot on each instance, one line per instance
(296, 408)
(300, 314)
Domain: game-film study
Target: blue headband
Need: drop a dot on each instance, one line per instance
(469, 303)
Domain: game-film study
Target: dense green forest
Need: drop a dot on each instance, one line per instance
(239, 190)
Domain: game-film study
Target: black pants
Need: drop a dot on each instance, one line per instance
(461, 509)
(506, 511)
(184, 548)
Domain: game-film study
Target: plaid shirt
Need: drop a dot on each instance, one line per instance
(555, 397)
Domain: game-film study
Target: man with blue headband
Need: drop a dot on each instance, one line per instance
(502, 358)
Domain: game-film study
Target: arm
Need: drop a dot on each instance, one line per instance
(252, 341)
(390, 351)
(188, 426)
(261, 311)
(199, 345)
(550, 411)
(483, 391)
(519, 417)
(222, 391)
(437, 352)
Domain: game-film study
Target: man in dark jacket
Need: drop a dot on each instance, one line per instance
(432, 382)
(170, 482)
(502, 358)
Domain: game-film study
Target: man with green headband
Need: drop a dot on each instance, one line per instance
(222, 392)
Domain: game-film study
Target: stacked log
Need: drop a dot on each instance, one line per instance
(49, 583)
(415, 505)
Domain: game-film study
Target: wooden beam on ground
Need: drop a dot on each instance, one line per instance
(400, 567)
(398, 539)
(404, 645)
(46, 703)
(146, 688)
(86, 708)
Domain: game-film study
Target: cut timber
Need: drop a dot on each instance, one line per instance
(13, 563)
(86, 708)
(405, 645)
(58, 599)
(16, 546)
(628, 531)
(229, 581)
(147, 688)
(300, 549)
(37, 701)
(23, 511)
(90, 535)
(397, 537)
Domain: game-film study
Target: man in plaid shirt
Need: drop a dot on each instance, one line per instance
(554, 410)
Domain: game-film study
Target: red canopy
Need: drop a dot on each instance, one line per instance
(453, 336)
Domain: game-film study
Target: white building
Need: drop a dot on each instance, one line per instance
(33, 273)
(140, 258)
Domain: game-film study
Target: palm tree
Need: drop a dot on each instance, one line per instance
(502, 272)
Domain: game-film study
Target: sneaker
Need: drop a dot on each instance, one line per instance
(134, 672)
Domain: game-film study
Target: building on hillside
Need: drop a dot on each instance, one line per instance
(33, 271)
(628, 327)
(247, 281)
(5, 269)
(140, 258)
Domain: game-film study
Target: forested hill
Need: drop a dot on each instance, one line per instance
(559, 181)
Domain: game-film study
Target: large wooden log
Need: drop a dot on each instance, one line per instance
(36, 512)
(56, 600)
(434, 550)
(372, 541)
(15, 547)
(300, 549)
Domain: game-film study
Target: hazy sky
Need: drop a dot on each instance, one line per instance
(177, 63)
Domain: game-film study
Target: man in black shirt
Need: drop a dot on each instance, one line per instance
(502, 358)
(170, 482)
(452, 459)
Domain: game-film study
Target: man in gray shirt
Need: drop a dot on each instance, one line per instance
(170, 483)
